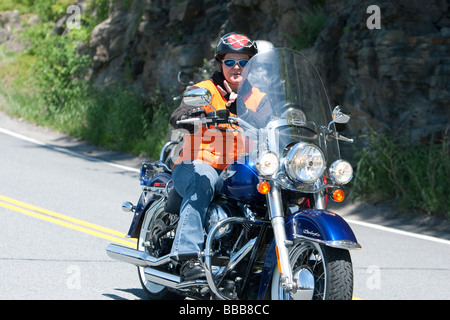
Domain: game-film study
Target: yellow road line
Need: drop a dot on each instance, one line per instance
(60, 219)
(69, 222)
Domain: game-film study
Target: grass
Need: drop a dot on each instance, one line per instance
(413, 176)
(46, 84)
(307, 31)
(115, 118)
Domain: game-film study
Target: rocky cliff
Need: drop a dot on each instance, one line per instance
(396, 76)
(393, 76)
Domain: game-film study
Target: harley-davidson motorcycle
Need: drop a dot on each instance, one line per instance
(268, 233)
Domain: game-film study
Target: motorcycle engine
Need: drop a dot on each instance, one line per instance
(217, 212)
(230, 237)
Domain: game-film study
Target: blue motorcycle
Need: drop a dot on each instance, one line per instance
(268, 234)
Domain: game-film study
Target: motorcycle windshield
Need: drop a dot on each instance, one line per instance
(293, 105)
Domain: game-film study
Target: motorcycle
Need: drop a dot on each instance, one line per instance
(268, 233)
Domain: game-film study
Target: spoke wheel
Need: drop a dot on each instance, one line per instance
(323, 273)
(153, 230)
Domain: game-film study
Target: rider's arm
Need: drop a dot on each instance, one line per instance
(261, 116)
(181, 112)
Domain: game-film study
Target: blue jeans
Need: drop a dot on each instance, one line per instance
(196, 183)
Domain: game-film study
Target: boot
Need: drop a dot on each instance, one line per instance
(192, 270)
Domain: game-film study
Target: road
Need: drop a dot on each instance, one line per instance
(45, 257)
(400, 266)
(60, 209)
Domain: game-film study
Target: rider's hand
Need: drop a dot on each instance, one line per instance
(233, 95)
(195, 113)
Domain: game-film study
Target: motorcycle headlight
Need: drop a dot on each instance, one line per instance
(305, 163)
(341, 172)
(267, 163)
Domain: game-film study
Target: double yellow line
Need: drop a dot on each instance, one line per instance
(66, 221)
(69, 222)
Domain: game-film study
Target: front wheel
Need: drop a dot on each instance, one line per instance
(325, 273)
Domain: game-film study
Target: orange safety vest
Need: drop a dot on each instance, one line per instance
(218, 148)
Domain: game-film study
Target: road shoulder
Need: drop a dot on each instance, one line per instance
(383, 214)
(57, 139)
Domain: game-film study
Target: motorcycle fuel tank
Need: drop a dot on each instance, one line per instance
(240, 183)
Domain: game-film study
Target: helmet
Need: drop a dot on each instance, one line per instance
(235, 43)
(264, 45)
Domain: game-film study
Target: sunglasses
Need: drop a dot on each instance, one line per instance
(231, 62)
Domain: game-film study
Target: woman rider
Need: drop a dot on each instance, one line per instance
(205, 154)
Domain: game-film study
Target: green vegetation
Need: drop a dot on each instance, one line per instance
(46, 84)
(22, 5)
(307, 31)
(414, 176)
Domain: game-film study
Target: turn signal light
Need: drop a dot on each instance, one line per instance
(338, 195)
(263, 187)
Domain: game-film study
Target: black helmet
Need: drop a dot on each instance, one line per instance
(235, 43)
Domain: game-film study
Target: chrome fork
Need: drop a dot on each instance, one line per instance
(278, 225)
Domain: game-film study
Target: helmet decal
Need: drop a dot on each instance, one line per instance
(238, 41)
(235, 43)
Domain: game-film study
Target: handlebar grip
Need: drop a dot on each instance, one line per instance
(337, 136)
(189, 121)
(342, 138)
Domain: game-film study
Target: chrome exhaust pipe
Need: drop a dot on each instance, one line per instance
(170, 280)
(136, 257)
(162, 278)
(142, 259)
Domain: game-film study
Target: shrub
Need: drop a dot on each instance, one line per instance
(414, 176)
(312, 22)
(47, 85)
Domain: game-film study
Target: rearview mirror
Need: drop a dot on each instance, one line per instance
(197, 97)
(338, 116)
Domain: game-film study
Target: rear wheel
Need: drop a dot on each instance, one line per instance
(155, 239)
(325, 273)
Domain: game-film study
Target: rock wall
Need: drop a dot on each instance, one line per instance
(148, 42)
(11, 22)
(395, 77)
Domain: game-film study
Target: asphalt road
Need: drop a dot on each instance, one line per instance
(60, 208)
(49, 256)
